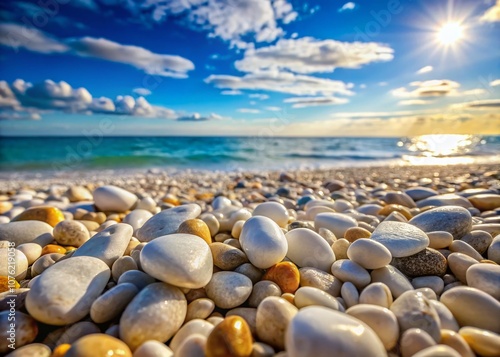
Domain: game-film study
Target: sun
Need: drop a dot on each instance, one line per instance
(450, 33)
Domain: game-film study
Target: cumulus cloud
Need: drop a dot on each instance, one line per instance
(304, 102)
(249, 111)
(142, 91)
(432, 88)
(258, 96)
(230, 20)
(8, 99)
(309, 55)
(492, 14)
(283, 82)
(197, 117)
(348, 6)
(495, 83)
(18, 36)
(425, 69)
(413, 102)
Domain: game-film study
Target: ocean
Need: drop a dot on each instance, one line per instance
(49, 154)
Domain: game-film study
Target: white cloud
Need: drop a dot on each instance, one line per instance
(425, 69)
(348, 6)
(230, 20)
(7, 97)
(29, 38)
(197, 117)
(139, 57)
(488, 104)
(259, 96)
(231, 92)
(281, 82)
(142, 91)
(308, 55)
(102, 105)
(492, 14)
(273, 109)
(249, 111)
(431, 88)
(401, 113)
(495, 83)
(304, 102)
(413, 102)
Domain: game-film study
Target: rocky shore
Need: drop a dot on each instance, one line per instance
(378, 261)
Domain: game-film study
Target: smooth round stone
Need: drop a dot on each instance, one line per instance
(277, 212)
(193, 346)
(494, 250)
(437, 351)
(249, 314)
(44, 262)
(227, 257)
(71, 233)
(457, 342)
(369, 208)
(415, 340)
(199, 309)
(433, 282)
(25, 330)
(33, 349)
(47, 214)
(355, 233)
(234, 215)
(340, 247)
(64, 293)
(286, 275)
(32, 251)
(232, 337)
(446, 318)
(318, 331)
(382, 321)
(420, 193)
(338, 223)
(121, 265)
(484, 343)
(98, 344)
(229, 289)
(459, 264)
(78, 193)
(236, 230)
(183, 260)
(251, 272)
(376, 294)
(393, 278)
(401, 239)
(485, 202)
(439, 239)
(369, 253)
(221, 202)
(313, 211)
(261, 290)
(307, 248)
(349, 293)
(482, 309)
(413, 310)
(112, 303)
(114, 199)
(321, 280)
(452, 219)
(399, 198)
(23, 232)
(459, 246)
(273, 318)
(107, 245)
(196, 227)
(449, 199)
(136, 277)
(13, 263)
(263, 242)
(426, 262)
(153, 348)
(77, 331)
(479, 240)
(307, 296)
(347, 270)
(167, 221)
(196, 326)
(485, 277)
(137, 218)
(260, 349)
(156, 313)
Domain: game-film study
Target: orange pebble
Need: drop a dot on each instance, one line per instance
(196, 227)
(5, 286)
(355, 233)
(232, 337)
(387, 210)
(61, 350)
(286, 275)
(53, 248)
(47, 214)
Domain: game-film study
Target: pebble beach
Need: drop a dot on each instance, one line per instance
(374, 261)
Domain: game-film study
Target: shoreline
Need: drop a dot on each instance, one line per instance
(119, 177)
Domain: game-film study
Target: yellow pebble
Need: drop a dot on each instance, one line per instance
(289, 297)
(60, 351)
(387, 210)
(53, 248)
(98, 345)
(355, 233)
(50, 215)
(197, 227)
(5, 286)
(286, 275)
(232, 337)
(5, 206)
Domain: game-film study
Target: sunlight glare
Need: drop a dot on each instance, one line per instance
(450, 33)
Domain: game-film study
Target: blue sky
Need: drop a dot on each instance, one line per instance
(233, 67)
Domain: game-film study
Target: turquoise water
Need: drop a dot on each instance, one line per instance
(229, 153)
